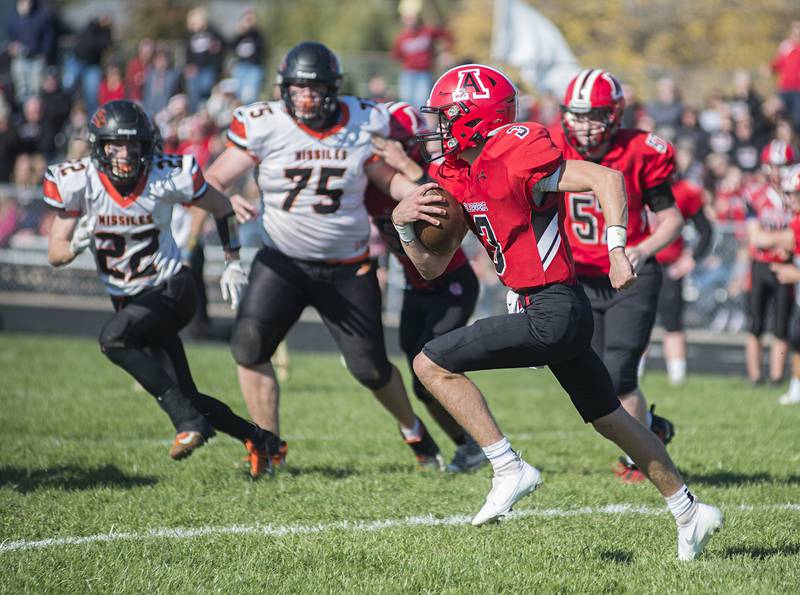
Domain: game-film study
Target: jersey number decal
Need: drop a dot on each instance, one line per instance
(117, 249)
(485, 229)
(584, 222)
(71, 166)
(301, 176)
(659, 144)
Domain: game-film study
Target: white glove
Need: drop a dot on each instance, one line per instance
(232, 282)
(512, 302)
(82, 235)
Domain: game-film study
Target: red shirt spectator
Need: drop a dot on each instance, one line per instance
(136, 72)
(787, 62)
(111, 87)
(415, 46)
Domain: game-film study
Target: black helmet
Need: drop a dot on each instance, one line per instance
(121, 121)
(310, 62)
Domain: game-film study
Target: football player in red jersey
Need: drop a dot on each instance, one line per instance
(430, 308)
(678, 261)
(590, 131)
(313, 156)
(510, 180)
(766, 211)
(787, 239)
(119, 204)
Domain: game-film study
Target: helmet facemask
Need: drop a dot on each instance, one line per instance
(586, 130)
(121, 160)
(311, 103)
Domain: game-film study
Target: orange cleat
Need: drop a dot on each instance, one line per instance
(279, 458)
(259, 459)
(627, 472)
(185, 444)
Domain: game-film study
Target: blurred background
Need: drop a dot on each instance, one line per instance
(719, 78)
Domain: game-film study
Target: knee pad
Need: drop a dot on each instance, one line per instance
(371, 374)
(116, 334)
(247, 342)
(623, 367)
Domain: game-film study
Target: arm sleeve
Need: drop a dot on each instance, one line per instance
(63, 189)
(189, 184)
(658, 166)
(703, 226)
(659, 197)
(249, 129)
(535, 162)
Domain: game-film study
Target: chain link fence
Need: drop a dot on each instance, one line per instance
(715, 291)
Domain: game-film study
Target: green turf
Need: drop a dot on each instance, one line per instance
(83, 454)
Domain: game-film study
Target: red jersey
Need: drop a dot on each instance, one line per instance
(765, 205)
(646, 161)
(415, 47)
(787, 64)
(795, 227)
(689, 200)
(380, 207)
(521, 227)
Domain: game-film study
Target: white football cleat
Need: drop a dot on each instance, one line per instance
(506, 491)
(693, 537)
(789, 399)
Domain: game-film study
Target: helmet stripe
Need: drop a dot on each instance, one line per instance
(589, 86)
(579, 82)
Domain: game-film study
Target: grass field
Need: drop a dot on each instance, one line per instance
(90, 502)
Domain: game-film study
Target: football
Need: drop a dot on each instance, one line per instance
(446, 238)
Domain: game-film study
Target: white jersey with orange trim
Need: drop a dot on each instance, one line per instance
(312, 183)
(133, 245)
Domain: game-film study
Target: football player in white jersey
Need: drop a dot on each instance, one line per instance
(313, 155)
(118, 202)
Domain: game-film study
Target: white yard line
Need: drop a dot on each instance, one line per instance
(271, 530)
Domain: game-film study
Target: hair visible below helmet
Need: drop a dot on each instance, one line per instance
(121, 120)
(778, 153)
(469, 102)
(310, 62)
(592, 92)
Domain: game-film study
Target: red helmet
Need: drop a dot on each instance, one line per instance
(779, 153)
(469, 101)
(791, 179)
(405, 124)
(592, 92)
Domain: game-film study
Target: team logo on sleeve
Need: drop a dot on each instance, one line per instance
(470, 85)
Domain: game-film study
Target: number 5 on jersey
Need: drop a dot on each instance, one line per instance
(302, 175)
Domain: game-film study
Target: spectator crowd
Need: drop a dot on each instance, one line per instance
(46, 96)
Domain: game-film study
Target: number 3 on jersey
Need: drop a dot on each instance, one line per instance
(486, 231)
(301, 175)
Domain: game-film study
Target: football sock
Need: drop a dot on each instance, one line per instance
(503, 459)
(682, 504)
(412, 434)
(182, 412)
(794, 388)
(222, 418)
(676, 370)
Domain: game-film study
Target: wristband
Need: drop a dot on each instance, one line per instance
(616, 236)
(406, 232)
(228, 232)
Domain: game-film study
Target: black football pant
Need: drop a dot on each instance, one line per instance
(142, 338)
